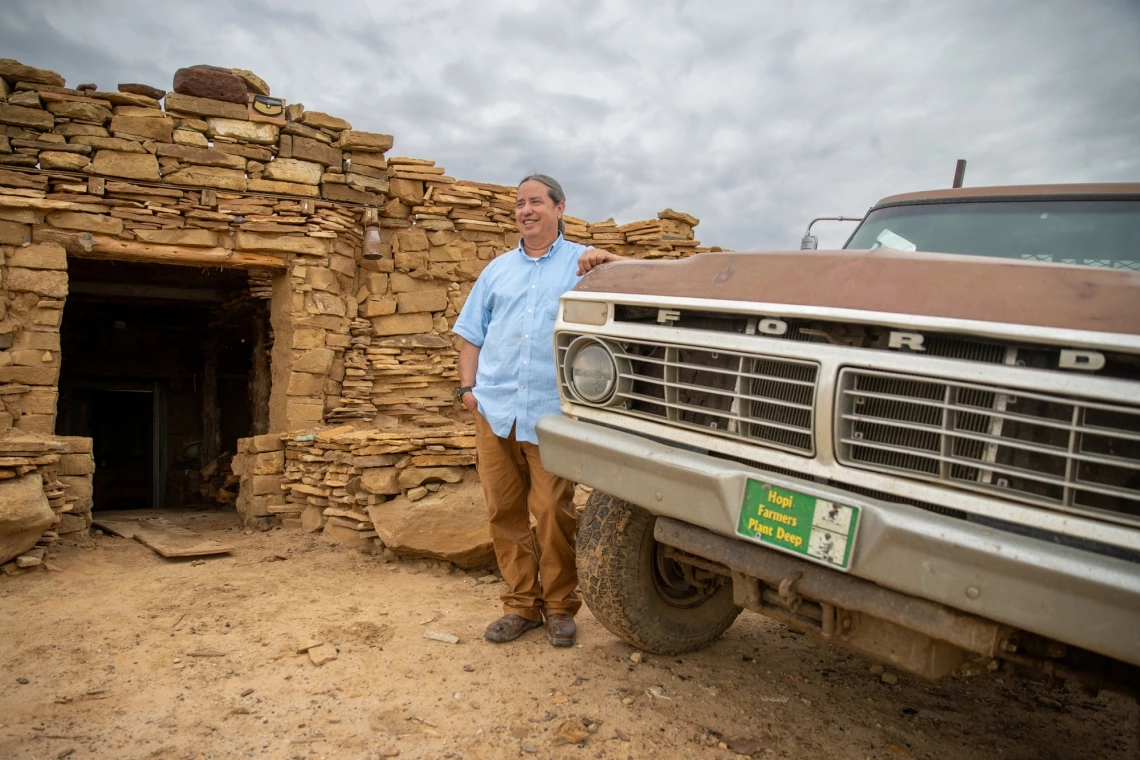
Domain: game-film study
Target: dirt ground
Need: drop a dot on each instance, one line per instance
(124, 654)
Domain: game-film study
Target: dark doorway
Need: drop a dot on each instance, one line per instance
(124, 446)
(156, 368)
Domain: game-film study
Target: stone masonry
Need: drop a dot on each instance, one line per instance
(213, 175)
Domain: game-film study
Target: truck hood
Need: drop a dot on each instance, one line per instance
(925, 284)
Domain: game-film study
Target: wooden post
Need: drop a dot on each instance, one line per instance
(260, 377)
(211, 412)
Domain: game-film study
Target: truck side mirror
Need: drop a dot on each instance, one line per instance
(810, 242)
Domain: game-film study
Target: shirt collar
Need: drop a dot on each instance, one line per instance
(558, 241)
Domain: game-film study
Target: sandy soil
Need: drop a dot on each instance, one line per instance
(107, 658)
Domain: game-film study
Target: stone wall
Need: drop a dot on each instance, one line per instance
(334, 477)
(45, 491)
(220, 172)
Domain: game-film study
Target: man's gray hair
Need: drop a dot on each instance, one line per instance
(554, 190)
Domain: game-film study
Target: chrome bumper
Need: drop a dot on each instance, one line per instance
(1073, 596)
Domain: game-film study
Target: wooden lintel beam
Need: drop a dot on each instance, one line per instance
(133, 250)
(84, 245)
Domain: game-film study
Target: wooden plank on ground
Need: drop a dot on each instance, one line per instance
(124, 528)
(173, 541)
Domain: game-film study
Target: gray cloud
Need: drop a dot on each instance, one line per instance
(754, 117)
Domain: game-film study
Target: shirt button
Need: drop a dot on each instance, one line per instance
(524, 362)
(532, 287)
(528, 311)
(526, 336)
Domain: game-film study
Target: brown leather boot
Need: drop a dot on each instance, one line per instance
(509, 628)
(561, 630)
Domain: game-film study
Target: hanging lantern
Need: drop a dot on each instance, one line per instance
(372, 243)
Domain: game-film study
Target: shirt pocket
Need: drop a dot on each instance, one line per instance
(551, 294)
(548, 311)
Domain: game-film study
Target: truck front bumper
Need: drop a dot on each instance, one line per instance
(1076, 597)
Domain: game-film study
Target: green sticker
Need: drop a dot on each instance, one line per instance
(816, 528)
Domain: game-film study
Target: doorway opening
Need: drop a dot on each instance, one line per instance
(163, 367)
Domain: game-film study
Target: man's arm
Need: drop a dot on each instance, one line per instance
(468, 364)
(594, 256)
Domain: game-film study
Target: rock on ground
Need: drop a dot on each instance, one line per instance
(24, 515)
(319, 655)
(450, 524)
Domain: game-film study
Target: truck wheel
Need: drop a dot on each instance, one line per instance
(639, 594)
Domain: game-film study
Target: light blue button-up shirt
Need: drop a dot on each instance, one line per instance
(510, 314)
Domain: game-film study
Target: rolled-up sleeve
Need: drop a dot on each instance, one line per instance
(475, 316)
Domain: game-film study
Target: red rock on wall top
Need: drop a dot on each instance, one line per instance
(211, 82)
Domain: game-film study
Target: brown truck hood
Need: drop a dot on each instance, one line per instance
(884, 280)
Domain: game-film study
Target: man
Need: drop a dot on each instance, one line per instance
(507, 379)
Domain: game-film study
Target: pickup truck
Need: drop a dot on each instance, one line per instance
(924, 447)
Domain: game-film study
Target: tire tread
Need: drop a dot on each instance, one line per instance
(614, 574)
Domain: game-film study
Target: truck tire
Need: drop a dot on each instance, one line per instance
(636, 594)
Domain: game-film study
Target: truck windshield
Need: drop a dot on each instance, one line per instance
(1091, 233)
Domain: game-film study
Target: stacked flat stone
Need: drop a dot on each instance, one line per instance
(46, 485)
(359, 380)
(336, 474)
(206, 138)
(64, 462)
(481, 207)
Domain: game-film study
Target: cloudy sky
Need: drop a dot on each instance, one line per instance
(753, 116)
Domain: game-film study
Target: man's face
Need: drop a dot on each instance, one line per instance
(535, 214)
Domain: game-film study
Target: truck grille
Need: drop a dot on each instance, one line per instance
(758, 399)
(1066, 453)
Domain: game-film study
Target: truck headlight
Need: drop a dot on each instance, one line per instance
(591, 370)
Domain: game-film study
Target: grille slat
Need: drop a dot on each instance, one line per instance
(727, 372)
(711, 412)
(726, 394)
(1066, 453)
(963, 435)
(759, 399)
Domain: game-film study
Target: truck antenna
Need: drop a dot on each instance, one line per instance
(959, 173)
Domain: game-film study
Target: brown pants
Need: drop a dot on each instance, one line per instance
(540, 579)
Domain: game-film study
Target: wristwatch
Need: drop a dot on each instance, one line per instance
(460, 391)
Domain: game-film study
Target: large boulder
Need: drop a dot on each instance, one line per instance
(211, 82)
(24, 515)
(450, 524)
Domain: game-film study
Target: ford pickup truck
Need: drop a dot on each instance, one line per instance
(924, 447)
